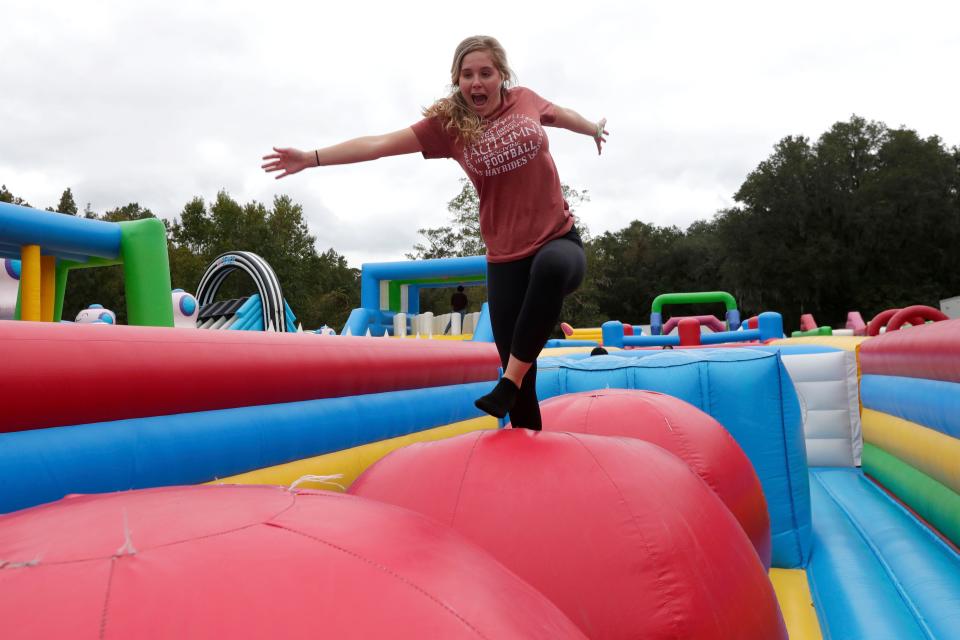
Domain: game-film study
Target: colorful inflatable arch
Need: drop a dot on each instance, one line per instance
(388, 288)
(50, 245)
(699, 297)
(770, 327)
(893, 319)
(268, 305)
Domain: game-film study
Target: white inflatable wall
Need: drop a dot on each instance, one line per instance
(826, 384)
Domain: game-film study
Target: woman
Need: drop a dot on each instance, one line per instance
(534, 254)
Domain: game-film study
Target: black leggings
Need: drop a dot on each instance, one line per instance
(525, 300)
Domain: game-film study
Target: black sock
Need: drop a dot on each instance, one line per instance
(499, 401)
(532, 423)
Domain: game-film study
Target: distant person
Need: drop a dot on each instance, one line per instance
(458, 305)
(458, 301)
(534, 254)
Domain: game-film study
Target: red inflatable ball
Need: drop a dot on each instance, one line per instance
(617, 532)
(681, 429)
(254, 562)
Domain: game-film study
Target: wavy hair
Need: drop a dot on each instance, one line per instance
(454, 109)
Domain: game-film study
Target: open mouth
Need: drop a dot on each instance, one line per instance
(479, 99)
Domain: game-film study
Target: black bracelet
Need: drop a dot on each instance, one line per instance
(317, 154)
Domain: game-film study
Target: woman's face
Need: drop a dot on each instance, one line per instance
(480, 82)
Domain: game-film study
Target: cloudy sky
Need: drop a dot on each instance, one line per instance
(157, 102)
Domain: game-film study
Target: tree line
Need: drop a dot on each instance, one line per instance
(865, 218)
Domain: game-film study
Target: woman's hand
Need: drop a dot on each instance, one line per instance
(573, 121)
(290, 161)
(598, 137)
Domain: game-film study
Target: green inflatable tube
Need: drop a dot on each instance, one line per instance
(934, 502)
(694, 298)
(146, 271)
(819, 331)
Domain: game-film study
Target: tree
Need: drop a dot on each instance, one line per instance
(771, 242)
(66, 204)
(461, 237)
(6, 196)
(861, 220)
(320, 288)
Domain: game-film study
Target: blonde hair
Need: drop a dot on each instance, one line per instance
(454, 109)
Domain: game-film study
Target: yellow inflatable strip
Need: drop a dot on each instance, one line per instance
(585, 335)
(847, 343)
(928, 450)
(350, 462)
(796, 604)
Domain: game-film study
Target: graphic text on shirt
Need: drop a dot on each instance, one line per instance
(508, 144)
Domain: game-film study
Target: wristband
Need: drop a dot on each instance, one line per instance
(317, 154)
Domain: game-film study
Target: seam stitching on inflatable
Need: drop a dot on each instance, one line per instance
(795, 534)
(106, 599)
(585, 422)
(704, 389)
(266, 521)
(466, 467)
(662, 588)
(389, 572)
(817, 600)
(879, 558)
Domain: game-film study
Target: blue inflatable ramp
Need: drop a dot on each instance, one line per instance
(875, 570)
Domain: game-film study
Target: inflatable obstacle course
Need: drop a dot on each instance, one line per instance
(178, 407)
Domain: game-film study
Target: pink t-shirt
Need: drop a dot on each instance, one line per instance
(521, 204)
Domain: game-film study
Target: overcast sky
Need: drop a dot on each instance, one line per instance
(157, 102)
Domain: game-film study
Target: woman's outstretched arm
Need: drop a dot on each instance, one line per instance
(291, 161)
(570, 119)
